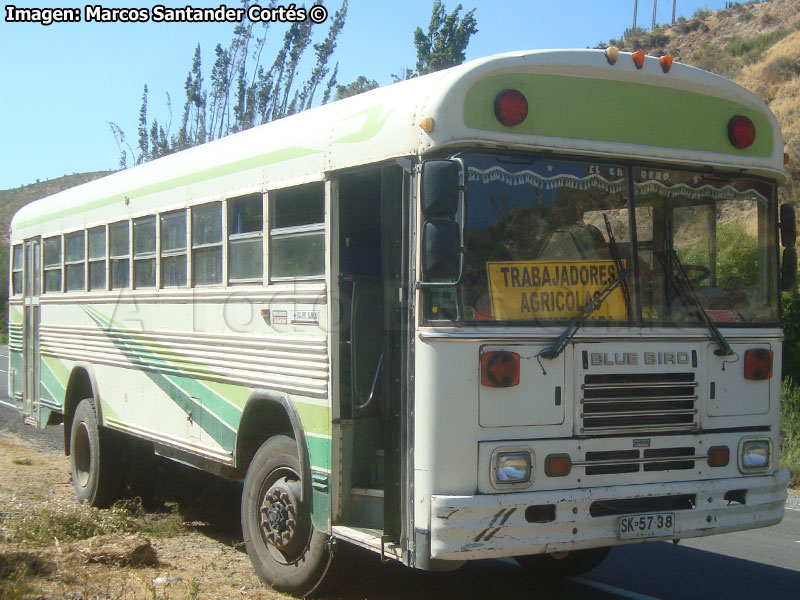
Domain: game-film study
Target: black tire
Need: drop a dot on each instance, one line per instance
(558, 565)
(94, 459)
(287, 552)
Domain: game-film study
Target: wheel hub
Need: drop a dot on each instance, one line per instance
(279, 516)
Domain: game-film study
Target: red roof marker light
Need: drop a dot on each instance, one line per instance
(741, 132)
(510, 107)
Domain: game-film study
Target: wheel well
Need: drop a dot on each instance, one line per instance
(79, 387)
(262, 419)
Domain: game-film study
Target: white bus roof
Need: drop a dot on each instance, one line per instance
(579, 103)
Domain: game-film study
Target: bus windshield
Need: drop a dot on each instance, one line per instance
(544, 237)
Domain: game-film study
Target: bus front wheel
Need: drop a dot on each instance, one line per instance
(287, 552)
(93, 454)
(566, 564)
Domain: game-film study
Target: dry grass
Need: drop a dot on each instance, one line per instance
(51, 547)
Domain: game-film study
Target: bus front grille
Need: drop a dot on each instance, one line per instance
(638, 402)
(609, 462)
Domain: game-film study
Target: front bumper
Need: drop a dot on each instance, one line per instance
(494, 525)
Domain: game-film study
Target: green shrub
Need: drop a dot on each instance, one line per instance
(790, 429)
(783, 68)
(791, 335)
(751, 49)
(737, 256)
(713, 58)
(40, 523)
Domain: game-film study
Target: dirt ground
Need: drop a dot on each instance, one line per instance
(204, 559)
(203, 562)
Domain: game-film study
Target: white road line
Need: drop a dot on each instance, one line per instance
(613, 589)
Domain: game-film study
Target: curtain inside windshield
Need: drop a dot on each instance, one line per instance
(545, 238)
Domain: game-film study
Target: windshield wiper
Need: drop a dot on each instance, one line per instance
(724, 348)
(612, 242)
(557, 347)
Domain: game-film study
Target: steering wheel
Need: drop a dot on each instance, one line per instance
(696, 273)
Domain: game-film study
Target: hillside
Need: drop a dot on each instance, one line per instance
(12, 200)
(757, 44)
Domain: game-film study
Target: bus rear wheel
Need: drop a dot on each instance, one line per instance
(564, 564)
(287, 552)
(93, 458)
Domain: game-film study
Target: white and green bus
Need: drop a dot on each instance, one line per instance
(524, 307)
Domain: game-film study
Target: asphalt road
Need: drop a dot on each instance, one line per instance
(761, 564)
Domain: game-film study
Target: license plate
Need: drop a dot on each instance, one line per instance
(633, 527)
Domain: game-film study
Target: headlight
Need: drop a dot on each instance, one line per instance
(512, 467)
(755, 454)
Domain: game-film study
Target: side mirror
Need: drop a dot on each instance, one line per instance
(789, 269)
(441, 258)
(788, 225)
(440, 187)
(441, 195)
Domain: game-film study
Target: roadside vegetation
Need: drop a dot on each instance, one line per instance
(790, 408)
(52, 519)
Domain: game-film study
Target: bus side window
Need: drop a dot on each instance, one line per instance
(144, 252)
(52, 264)
(297, 232)
(173, 249)
(75, 260)
(119, 253)
(16, 270)
(246, 239)
(97, 258)
(207, 244)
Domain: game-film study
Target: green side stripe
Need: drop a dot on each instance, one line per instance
(109, 412)
(215, 407)
(319, 451)
(17, 366)
(58, 369)
(316, 419)
(50, 367)
(213, 402)
(268, 158)
(209, 422)
(235, 394)
(617, 111)
(15, 314)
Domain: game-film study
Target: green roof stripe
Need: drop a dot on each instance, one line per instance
(253, 162)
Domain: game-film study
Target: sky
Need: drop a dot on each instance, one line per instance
(61, 85)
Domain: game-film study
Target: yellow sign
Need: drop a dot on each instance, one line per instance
(546, 290)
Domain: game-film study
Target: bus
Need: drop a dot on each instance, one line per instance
(528, 306)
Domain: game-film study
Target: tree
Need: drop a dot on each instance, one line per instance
(446, 41)
(144, 143)
(193, 124)
(330, 85)
(323, 51)
(360, 85)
